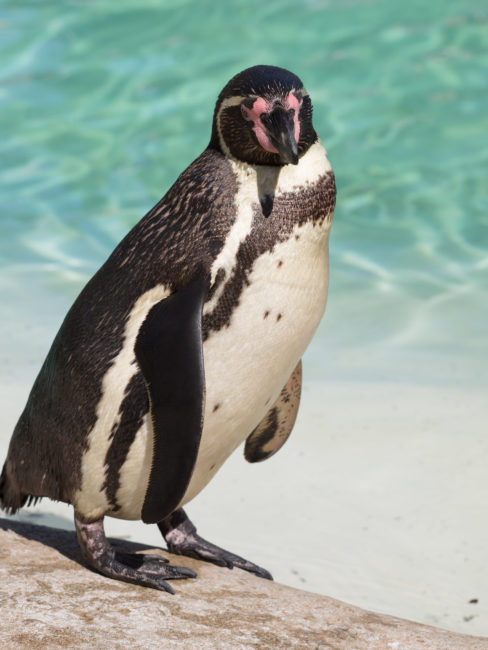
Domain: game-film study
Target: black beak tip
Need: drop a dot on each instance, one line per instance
(289, 157)
(280, 129)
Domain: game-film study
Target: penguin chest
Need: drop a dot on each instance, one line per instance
(250, 358)
(268, 294)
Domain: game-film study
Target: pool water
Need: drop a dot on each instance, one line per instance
(103, 104)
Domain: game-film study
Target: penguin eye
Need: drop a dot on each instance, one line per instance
(245, 112)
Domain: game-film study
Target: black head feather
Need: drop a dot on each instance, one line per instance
(231, 133)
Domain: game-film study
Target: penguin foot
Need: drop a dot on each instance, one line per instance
(145, 570)
(181, 537)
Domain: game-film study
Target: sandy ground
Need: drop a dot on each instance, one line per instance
(384, 485)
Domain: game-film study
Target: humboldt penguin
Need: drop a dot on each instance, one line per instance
(188, 340)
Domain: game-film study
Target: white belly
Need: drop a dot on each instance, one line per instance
(248, 363)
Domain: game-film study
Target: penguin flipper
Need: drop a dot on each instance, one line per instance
(273, 430)
(169, 351)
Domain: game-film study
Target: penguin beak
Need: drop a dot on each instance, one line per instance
(280, 129)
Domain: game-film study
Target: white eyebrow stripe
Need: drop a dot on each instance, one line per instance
(235, 100)
(229, 102)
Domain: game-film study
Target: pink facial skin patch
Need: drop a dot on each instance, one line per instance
(291, 102)
(261, 106)
(254, 114)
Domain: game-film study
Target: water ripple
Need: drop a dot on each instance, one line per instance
(103, 105)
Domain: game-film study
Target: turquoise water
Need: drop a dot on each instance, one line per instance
(103, 104)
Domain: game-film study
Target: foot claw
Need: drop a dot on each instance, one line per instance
(145, 570)
(182, 539)
(203, 550)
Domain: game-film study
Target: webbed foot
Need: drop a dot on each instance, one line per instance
(181, 537)
(145, 570)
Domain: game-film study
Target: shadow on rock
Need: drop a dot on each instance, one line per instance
(64, 541)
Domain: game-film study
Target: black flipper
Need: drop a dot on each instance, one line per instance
(273, 430)
(169, 351)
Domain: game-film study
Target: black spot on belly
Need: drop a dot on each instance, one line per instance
(279, 317)
(280, 263)
(266, 314)
(216, 407)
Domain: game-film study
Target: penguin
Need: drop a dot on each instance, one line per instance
(188, 341)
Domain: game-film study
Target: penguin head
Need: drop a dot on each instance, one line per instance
(263, 116)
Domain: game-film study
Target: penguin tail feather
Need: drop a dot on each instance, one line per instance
(11, 498)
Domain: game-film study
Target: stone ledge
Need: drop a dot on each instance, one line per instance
(49, 600)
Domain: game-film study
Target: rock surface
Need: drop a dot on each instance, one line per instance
(48, 599)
